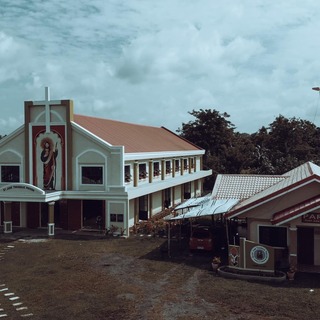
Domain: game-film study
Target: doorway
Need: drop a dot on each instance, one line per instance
(91, 209)
(305, 245)
(143, 207)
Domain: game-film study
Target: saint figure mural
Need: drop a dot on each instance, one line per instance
(48, 157)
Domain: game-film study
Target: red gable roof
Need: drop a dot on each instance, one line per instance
(134, 137)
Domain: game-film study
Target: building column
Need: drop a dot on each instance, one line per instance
(181, 166)
(7, 221)
(173, 168)
(150, 171)
(135, 210)
(163, 169)
(173, 196)
(293, 259)
(51, 218)
(135, 174)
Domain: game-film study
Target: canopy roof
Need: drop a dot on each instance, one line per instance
(193, 202)
(209, 208)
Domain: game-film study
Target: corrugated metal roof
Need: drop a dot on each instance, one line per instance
(209, 208)
(289, 180)
(134, 137)
(193, 202)
(237, 186)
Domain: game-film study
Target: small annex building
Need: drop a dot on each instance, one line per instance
(64, 170)
(282, 212)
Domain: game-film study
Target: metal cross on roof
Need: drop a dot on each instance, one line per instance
(47, 108)
(46, 103)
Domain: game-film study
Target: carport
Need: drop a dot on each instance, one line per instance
(200, 207)
(209, 207)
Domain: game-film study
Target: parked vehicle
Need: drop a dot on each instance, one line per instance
(201, 239)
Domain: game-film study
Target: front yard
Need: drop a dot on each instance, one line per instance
(114, 278)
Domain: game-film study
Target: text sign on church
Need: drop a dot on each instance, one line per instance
(311, 218)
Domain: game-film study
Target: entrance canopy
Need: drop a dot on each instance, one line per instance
(208, 208)
(25, 192)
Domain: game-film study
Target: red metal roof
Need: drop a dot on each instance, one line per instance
(134, 137)
(296, 210)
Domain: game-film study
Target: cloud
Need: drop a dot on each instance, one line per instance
(151, 63)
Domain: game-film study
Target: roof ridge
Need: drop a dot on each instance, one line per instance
(253, 175)
(116, 121)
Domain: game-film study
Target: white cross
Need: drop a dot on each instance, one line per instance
(47, 108)
(46, 104)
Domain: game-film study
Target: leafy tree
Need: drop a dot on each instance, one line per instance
(276, 149)
(212, 131)
(286, 144)
(241, 156)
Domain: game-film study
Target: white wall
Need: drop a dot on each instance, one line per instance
(156, 202)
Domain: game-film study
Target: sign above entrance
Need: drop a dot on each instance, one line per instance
(21, 187)
(311, 218)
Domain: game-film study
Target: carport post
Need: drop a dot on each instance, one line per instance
(169, 241)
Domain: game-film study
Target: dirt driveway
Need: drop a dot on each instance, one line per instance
(86, 278)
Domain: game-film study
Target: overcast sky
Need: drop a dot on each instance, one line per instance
(150, 62)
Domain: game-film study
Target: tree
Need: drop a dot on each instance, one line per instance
(276, 149)
(213, 132)
(286, 144)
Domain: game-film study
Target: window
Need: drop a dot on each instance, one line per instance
(273, 236)
(192, 163)
(177, 165)
(168, 167)
(185, 164)
(127, 175)
(156, 169)
(10, 174)
(142, 171)
(114, 217)
(92, 175)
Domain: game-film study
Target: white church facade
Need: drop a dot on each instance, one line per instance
(63, 170)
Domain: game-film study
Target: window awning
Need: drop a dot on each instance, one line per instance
(296, 211)
(209, 208)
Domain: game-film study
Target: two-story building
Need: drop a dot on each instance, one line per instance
(63, 170)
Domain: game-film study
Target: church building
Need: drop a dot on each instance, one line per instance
(64, 170)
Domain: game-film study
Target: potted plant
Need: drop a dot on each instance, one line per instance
(215, 263)
(128, 177)
(291, 272)
(143, 175)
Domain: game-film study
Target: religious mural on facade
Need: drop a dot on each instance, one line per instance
(49, 159)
